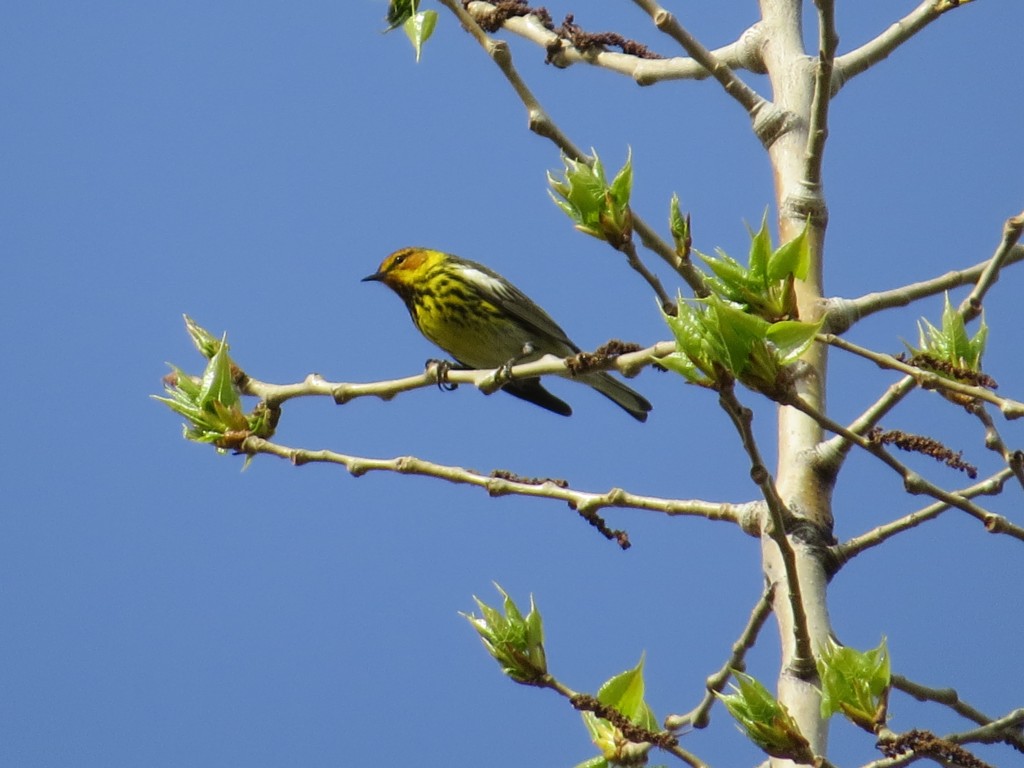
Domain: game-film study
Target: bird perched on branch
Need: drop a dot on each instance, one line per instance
(483, 321)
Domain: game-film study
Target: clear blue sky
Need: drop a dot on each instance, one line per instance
(247, 163)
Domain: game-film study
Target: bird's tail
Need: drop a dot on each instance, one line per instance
(631, 401)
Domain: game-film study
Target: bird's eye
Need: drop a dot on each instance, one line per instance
(400, 258)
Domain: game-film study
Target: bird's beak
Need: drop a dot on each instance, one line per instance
(375, 277)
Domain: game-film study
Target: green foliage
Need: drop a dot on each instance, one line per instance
(418, 25)
(855, 683)
(765, 720)
(596, 207)
(765, 286)
(212, 404)
(951, 344)
(747, 328)
(514, 641)
(679, 225)
(624, 692)
(716, 339)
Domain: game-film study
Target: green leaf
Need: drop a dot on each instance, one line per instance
(732, 276)
(679, 225)
(595, 207)
(760, 252)
(764, 719)
(625, 692)
(792, 258)
(517, 644)
(204, 341)
(792, 338)
(955, 331)
(951, 343)
(622, 185)
(854, 683)
(739, 331)
(418, 28)
(218, 383)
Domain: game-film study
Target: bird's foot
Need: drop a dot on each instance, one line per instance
(441, 369)
(504, 372)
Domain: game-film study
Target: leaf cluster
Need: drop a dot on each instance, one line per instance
(855, 683)
(212, 404)
(418, 25)
(514, 641)
(950, 344)
(596, 207)
(747, 328)
(624, 693)
(765, 286)
(764, 719)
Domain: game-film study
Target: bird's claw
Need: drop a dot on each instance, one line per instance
(504, 371)
(441, 369)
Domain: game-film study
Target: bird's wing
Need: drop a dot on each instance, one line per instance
(500, 292)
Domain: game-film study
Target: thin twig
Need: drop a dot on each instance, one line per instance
(498, 485)
(912, 481)
(851, 64)
(846, 551)
(778, 516)
(487, 381)
(750, 100)
(743, 53)
(994, 442)
(1009, 727)
(1011, 409)
(818, 128)
(699, 716)
(664, 740)
(843, 313)
(540, 122)
(668, 304)
(1012, 228)
(998, 731)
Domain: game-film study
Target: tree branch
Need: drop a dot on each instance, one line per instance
(743, 53)
(912, 481)
(994, 442)
(1011, 409)
(776, 529)
(817, 131)
(747, 97)
(699, 716)
(1012, 228)
(542, 124)
(843, 553)
(664, 740)
(501, 483)
(841, 314)
(1008, 728)
(851, 64)
(487, 381)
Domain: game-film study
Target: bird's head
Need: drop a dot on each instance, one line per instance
(404, 268)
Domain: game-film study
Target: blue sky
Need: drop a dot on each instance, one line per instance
(247, 163)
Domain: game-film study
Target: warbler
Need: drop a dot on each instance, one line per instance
(483, 321)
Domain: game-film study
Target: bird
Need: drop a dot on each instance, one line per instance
(483, 321)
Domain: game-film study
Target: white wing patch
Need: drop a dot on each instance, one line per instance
(485, 281)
